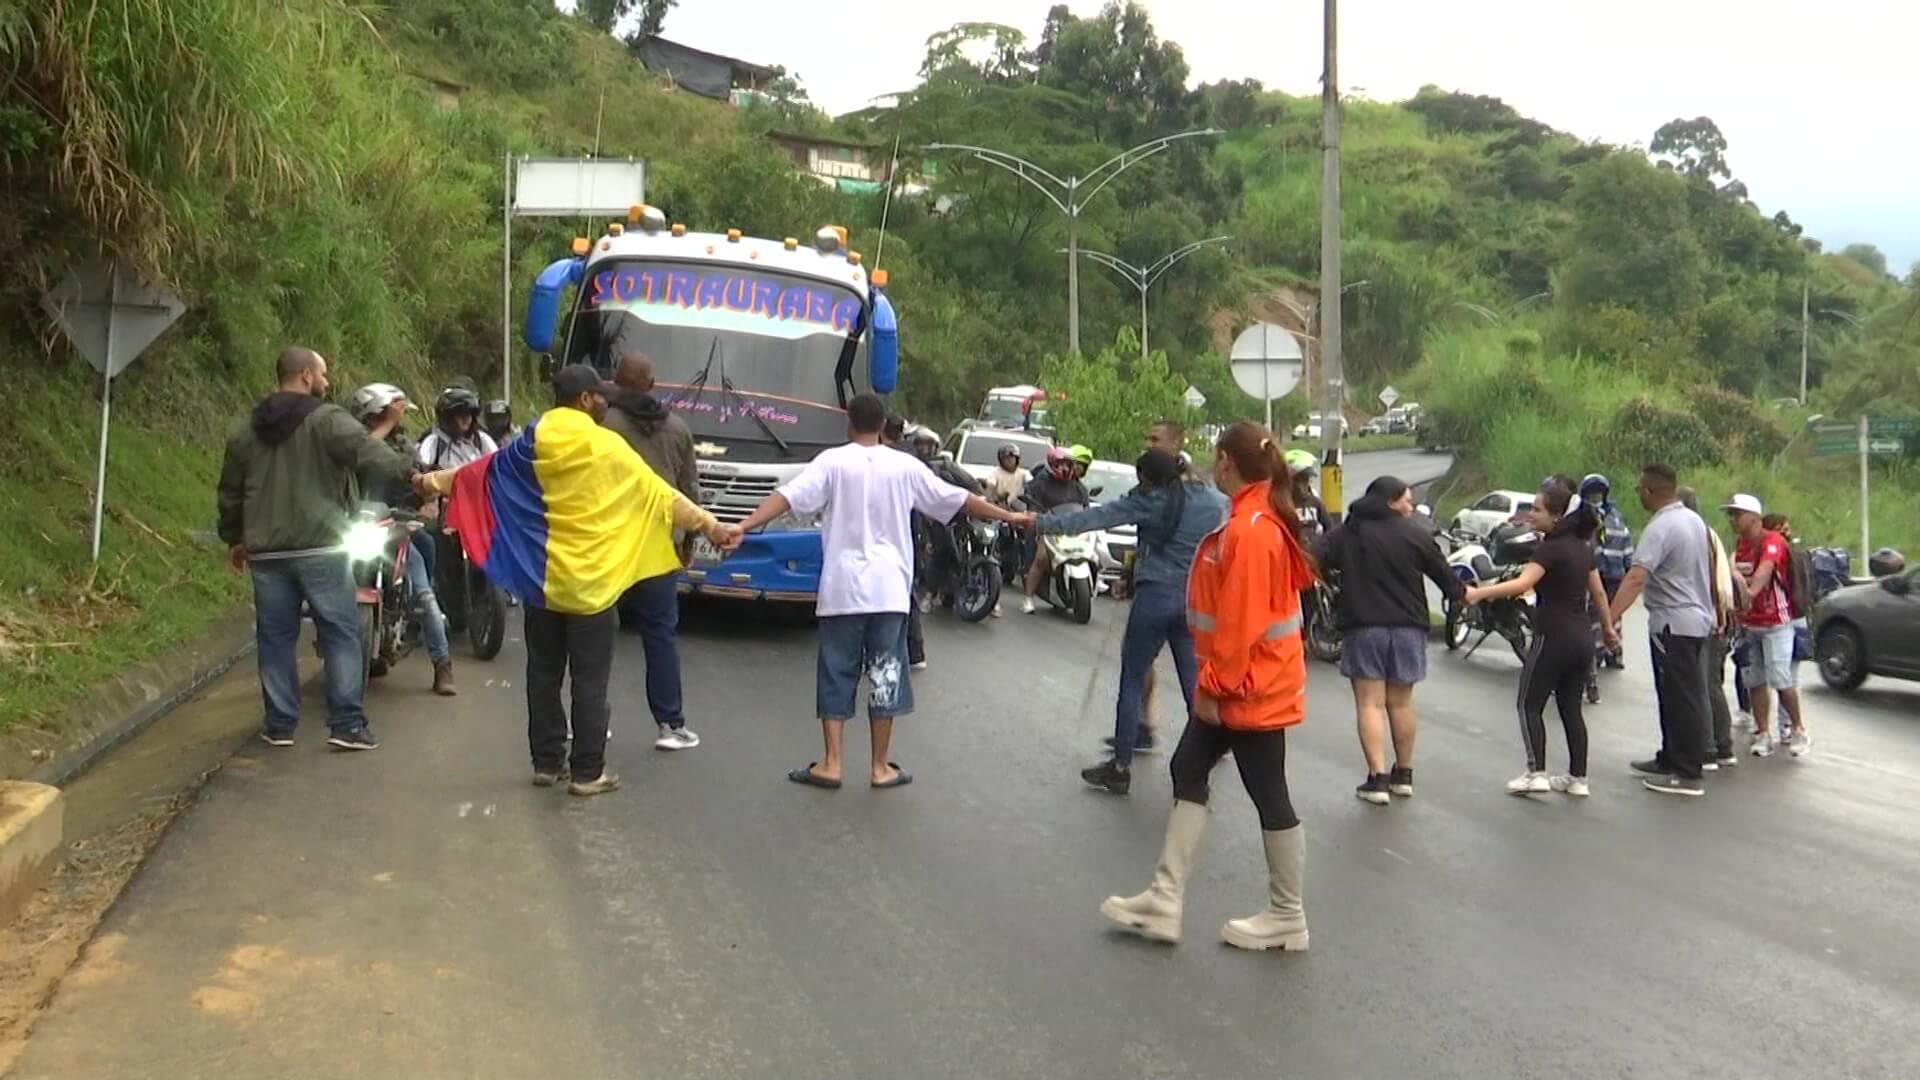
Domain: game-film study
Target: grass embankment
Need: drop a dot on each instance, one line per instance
(1366, 444)
(1515, 414)
(296, 175)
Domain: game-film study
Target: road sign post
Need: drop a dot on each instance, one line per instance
(1865, 450)
(1389, 396)
(111, 316)
(1266, 361)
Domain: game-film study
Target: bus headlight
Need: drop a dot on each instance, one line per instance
(366, 541)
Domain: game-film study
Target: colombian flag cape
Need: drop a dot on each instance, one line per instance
(565, 517)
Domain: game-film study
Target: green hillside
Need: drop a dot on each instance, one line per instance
(329, 173)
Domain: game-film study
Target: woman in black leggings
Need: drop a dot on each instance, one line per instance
(1565, 581)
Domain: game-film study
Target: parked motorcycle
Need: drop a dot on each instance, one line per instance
(970, 587)
(1069, 582)
(1474, 564)
(1324, 639)
(471, 602)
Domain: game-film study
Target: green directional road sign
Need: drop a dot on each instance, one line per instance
(1893, 427)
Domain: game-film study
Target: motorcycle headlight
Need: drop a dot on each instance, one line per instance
(365, 541)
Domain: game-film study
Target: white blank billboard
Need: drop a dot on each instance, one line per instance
(565, 187)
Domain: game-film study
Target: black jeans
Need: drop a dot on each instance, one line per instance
(1261, 756)
(1558, 663)
(1720, 739)
(557, 644)
(1680, 684)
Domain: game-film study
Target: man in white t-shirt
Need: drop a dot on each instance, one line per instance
(867, 493)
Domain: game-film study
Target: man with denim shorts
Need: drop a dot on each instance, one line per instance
(868, 493)
(1762, 559)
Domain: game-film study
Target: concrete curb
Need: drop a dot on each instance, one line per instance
(31, 836)
(121, 707)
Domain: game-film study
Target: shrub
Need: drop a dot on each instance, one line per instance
(1645, 431)
(1740, 427)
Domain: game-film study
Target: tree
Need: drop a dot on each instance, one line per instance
(1133, 83)
(1004, 61)
(1109, 400)
(653, 16)
(1695, 147)
(603, 15)
(1868, 256)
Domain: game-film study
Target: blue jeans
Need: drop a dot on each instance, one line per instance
(433, 622)
(325, 583)
(874, 645)
(653, 607)
(1157, 616)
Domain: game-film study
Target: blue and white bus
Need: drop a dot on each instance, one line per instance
(757, 344)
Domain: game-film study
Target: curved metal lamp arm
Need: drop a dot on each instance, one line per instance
(1126, 159)
(1165, 263)
(1136, 276)
(1018, 166)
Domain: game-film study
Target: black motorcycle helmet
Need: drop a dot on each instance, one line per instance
(452, 402)
(497, 418)
(1886, 562)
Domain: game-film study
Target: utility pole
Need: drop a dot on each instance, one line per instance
(1073, 267)
(1332, 370)
(1803, 341)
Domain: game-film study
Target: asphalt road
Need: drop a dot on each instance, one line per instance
(422, 911)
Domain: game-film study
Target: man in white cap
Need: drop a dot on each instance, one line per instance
(1762, 560)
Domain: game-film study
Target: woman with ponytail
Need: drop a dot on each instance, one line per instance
(1243, 608)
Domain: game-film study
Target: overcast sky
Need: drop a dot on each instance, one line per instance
(1816, 99)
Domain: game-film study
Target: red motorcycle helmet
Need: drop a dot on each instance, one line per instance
(1060, 463)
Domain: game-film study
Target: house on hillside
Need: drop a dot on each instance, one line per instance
(850, 165)
(723, 78)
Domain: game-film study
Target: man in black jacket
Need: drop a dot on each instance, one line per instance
(1378, 559)
(288, 489)
(665, 443)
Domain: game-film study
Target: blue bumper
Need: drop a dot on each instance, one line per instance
(782, 566)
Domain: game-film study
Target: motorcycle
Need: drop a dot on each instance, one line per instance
(1069, 582)
(471, 602)
(970, 585)
(1324, 639)
(1473, 564)
(378, 545)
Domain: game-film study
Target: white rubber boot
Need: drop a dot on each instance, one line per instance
(1283, 925)
(1156, 913)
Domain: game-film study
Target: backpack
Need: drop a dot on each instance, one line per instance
(1832, 569)
(1800, 594)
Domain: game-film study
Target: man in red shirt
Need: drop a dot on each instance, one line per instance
(1762, 559)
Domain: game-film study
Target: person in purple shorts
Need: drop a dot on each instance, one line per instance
(1378, 558)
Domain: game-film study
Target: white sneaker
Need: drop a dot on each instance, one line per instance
(1762, 745)
(675, 738)
(918, 665)
(1710, 765)
(1569, 785)
(1743, 722)
(1529, 783)
(996, 609)
(1801, 743)
(1026, 606)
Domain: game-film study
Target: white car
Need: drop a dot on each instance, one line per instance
(1311, 429)
(1496, 508)
(1112, 479)
(977, 449)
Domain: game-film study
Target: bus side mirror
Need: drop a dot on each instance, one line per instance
(883, 347)
(543, 303)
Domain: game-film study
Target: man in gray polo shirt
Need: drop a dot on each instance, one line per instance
(1673, 566)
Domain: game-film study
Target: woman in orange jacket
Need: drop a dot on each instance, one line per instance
(1243, 606)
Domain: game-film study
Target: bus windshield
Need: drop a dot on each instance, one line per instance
(774, 338)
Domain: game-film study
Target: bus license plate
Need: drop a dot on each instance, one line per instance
(704, 553)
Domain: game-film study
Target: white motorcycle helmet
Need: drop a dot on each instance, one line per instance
(373, 399)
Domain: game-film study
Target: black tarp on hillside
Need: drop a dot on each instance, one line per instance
(695, 70)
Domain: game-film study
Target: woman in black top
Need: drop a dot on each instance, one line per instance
(1565, 580)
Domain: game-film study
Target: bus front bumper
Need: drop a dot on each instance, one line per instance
(778, 566)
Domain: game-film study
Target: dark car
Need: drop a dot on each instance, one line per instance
(1869, 629)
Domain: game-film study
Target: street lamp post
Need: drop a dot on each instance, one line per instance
(1142, 278)
(1070, 195)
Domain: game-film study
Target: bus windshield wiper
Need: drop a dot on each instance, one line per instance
(727, 387)
(698, 384)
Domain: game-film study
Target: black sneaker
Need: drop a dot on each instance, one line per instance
(1653, 766)
(1109, 777)
(360, 738)
(1374, 790)
(1593, 693)
(277, 738)
(1674, 785)
(550, 777)
(1400, 782)
(1144, 743)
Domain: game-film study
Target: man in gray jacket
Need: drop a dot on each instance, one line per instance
(665, 443)
(287, 492)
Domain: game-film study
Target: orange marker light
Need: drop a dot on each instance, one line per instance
(582, 245)
(733, 236)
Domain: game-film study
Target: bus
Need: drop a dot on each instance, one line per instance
(757, 344)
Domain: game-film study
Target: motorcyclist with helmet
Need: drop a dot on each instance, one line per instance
(373, 405)
(457, 437)
(1613, 554)
(1314, 520)
(1055, 486)
(924, 444)
(1009, 480)
(1082, 460)
(496, 419)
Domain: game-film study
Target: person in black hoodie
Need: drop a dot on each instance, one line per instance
(665, 443)
(288, 489)
(1380, 557)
